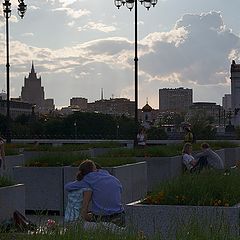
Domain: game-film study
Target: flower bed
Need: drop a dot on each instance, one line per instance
(209, 198)
(209, 188)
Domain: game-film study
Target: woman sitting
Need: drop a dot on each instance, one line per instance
(188, 160)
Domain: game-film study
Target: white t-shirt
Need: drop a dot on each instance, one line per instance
(141, 139)
(187, 160)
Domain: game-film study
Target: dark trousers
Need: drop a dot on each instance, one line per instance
(201, 164)
(116, 218)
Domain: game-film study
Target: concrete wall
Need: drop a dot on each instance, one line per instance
(165, 220)
(160, 169)
(11, 198)
(12, 161)
(132, 176)
(231, 156)
(134, 180)
(44, 187)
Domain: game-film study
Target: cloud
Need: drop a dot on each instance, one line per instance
(196, 52)
(75, 14)
(97, 26)
(29, 34)
(197, 49)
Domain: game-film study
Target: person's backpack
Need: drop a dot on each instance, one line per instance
(22, 223)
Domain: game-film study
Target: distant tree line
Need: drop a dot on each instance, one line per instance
(78, 125)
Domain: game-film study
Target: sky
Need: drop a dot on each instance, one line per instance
(81, 46)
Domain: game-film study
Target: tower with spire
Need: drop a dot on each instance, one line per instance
(33, 92)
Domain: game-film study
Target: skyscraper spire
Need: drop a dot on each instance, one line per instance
(32, 70)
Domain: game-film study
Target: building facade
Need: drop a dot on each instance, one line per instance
(81, 103)
(33, 93)
(16, 108)
(227, 102)
(235, 93)
(207, 109)
(175, 99)
(115, 106)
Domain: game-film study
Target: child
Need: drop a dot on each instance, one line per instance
(75, 200)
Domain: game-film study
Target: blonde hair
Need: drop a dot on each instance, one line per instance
(186, 147)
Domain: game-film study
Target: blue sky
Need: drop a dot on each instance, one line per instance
(81, 46)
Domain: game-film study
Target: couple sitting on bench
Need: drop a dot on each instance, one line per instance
(205, 159)
(97, 186)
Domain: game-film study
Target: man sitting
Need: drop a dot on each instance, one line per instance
(105, 193)
(212, 158)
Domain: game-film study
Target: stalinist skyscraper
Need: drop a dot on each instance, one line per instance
(33, 92)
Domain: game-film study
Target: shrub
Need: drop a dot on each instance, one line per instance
(4, 181)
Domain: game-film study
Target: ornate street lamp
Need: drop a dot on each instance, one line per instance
(7, 14)
(130, 4)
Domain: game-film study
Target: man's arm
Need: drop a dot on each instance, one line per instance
(71, 186)
(87, 196)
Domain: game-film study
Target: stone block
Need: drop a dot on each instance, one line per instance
(166, 220)
(12, 198)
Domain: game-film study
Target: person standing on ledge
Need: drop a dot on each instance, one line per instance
(142, 138)
(189, 136)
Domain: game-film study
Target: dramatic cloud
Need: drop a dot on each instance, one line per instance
(196, 52)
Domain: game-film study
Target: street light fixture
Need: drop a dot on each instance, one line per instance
(7, 14)
(130, 4)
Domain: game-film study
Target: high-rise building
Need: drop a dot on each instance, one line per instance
(235, 85)
(227, 102)
(175, 99)
(33, 92)
(235, 92)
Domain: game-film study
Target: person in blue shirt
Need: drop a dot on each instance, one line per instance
(105, 194)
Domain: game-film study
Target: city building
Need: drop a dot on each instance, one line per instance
(16, 108)
(235, 92)
(115, 106)
(33, 92)
(79, 102)
(175, 99)
(207, 109)
(227, 102)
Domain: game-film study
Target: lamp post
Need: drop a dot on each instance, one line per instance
(130, 4)
(7, 14)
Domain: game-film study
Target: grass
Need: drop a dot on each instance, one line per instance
(163, 150)
(4, 182)
(193, 231)
(66, 159)
(55, 160)
(70, 147)
(74, 233)
(209, 188)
